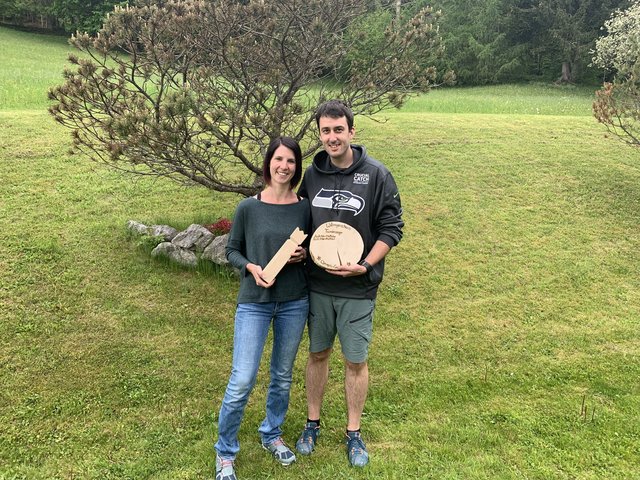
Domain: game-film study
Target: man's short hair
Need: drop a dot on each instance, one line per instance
(334, 109)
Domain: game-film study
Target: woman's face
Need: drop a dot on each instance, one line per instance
(282, 166)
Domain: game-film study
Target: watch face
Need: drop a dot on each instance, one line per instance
(334, 244)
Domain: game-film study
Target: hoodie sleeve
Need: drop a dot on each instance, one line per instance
(388, 218)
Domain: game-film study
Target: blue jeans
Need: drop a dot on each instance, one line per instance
(252, 324)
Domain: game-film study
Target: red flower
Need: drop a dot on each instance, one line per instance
(221, 226)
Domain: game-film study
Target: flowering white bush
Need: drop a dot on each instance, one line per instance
(617, 104)
(619, 49)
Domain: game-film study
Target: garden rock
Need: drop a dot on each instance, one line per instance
(179, 255)
(137, 227)
(215, 252)
(184, 257)
(187, 247)
(195, 237)
(165, 231)
(164, 249)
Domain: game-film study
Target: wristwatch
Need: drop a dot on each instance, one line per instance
(366, 265)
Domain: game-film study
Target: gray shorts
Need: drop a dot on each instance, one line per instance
(350, 318)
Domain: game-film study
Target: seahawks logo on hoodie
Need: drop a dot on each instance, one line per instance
(339, 200)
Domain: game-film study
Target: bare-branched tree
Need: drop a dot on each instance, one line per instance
(194, 90)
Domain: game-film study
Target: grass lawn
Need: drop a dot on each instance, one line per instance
(532, 99)
(506, 340)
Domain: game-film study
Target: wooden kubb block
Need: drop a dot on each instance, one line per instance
(280, 259)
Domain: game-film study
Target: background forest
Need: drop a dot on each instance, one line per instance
(486, 41)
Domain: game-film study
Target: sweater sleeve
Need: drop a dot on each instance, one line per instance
(388, 220)
(236, 245)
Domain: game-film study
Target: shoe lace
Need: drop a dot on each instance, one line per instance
(309, 433)
(356, 445)
(226, 463)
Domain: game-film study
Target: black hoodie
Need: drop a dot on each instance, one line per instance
(363, 195)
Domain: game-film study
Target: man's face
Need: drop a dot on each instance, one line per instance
(335, 136)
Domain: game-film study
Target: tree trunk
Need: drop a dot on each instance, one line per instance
(566, 74)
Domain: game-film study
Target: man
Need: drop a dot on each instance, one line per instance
(345, 184)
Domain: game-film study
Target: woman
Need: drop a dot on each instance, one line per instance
(261, 225)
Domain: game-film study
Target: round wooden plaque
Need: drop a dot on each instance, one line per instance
(334, 244)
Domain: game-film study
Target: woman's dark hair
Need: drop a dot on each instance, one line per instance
(292, 145)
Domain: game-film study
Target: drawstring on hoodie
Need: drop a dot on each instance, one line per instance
(337, 186)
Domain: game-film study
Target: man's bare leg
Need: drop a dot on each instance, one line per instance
(316, 380)
(356, 384)
(317, 375)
